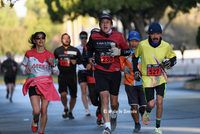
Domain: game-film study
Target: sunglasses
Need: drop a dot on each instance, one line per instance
(83, 38)
(40, 37)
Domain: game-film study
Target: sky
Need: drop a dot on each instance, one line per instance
(20, 8)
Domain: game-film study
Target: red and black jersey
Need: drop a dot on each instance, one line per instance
(99, 43)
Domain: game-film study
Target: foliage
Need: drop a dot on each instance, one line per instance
(198, 38)
(140, 13)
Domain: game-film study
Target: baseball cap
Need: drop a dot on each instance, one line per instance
(134, 35)
(105, 16)
(35, 35)
(154, 28)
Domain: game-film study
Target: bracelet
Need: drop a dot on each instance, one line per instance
(54, 65)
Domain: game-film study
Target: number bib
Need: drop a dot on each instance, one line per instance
(107, 59)
(153, 69)
(65, 62)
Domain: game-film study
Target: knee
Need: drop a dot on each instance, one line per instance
(134, 107)
(43, 111)
(151, 104)
(114, 105)
(37, 112)
(159, 102)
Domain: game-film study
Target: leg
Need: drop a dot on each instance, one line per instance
(35, 102)
(72, 103)
(159, 103)
(135, 113)
(105, 106)
(43, 119)
(83, 86)
(12, 89)
(64, 99)
(7, 89)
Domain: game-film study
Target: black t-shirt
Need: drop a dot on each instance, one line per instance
(67, 69)
(8, 64)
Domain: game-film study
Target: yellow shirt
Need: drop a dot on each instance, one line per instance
(151, 58)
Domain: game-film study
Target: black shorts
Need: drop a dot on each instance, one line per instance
(107, 81)
(82, 76)
(34, 91)
(135, 95)
(149, 92)
(65, 83)
(9, 79)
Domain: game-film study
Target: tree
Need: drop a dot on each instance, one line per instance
(198, 38)
(137, 12)
(10, 2)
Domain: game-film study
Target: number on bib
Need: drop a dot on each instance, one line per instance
(153, 69)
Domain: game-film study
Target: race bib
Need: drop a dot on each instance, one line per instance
(65, 62)
(153, 69)
(107, 59)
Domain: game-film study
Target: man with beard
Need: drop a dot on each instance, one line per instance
(67, 57)
(156, 57)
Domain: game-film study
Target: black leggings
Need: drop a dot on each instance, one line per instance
(94, 96)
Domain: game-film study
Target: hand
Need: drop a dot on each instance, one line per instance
(50, 60)
(73, 61)
(14, 68)
(166, 63)
(92, 62)
(114, 50)
(88, 67)
(127, 70)
(28, 70)
(137, 75)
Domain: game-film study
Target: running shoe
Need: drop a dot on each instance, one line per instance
(87, 113)
(40, 133)
(146, 118)
(137, 128)
(157, 131)
(70, 115)
(7, 95)
(107, 131)
(113, 123)
(140, 111)
(100, 123)
(34, 125)
(64, 115)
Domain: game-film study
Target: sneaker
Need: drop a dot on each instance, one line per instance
(107, 131)
(100, 123)
(87, 113)
(157, 131)
(70, 115)
(113, 123)
(137, 128)
(146, 118)
(64, 115)
(40, 133)
(140, 111)
(34, 125)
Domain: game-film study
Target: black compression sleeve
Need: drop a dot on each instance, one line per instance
(135, 63)
(173, 61)
(125, 52)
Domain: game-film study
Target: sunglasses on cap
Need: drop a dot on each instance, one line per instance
(40, 37)
(83, 38)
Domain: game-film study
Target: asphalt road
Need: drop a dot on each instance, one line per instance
(181, 114)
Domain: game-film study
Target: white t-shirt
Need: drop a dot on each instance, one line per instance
(80, 66)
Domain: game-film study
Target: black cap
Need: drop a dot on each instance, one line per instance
(154, 28)
(105, 16)
(35, 35)
(94, 30)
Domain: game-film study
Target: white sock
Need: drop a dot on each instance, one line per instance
(107, 124)
(113, 115)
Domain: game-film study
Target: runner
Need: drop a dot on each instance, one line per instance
(67, 57)
(82, 73)
(9, 68)
(107, 45)
(157, 56)
(133, 88)
(39, 63)
(93, 94)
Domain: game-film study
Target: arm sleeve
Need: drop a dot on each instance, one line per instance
(135, 62)
(173, 61)
(84, 58)
(90, 48)
(125, 51)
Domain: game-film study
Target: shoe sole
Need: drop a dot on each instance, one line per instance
(33, 128)
(113, 124)
(105, 132)
(145, 122)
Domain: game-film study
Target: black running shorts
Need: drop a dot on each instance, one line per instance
(68, 83)
(135, 95)
(82, 76)
(107, 81)
(34, 91)
(149, 92)
(9, 79)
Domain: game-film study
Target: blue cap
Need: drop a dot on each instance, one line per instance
(154, 28)
(134, 35)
